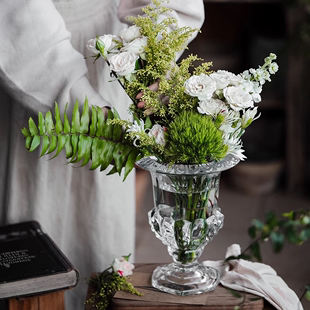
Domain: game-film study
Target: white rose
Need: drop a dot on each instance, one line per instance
(224, 78)
(158, 132)
(106, 43)
(136, 46)
(201, 86)
(124, 63)
(238, 98)
(130, 33)
(122, 267)
(211, 107)
(91, 46)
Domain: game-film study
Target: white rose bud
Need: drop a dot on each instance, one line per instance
(91, 46)
(124, 63)
(238, 98)
(106, 44)
(136, 46)
(129, 34)
(122, 267)
(201, 86)
(158, 132)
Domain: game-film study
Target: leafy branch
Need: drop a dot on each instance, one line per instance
(89, 137)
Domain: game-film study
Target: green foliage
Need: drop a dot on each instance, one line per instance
(106, 284)
(88, 138)
(200, 141)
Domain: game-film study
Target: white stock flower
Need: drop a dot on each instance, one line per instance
(211, 106)
(91, 46)
(201, 86)
(224, 78)
(158, 132)
(122, 267)
(124, 63)
(273, 68)
(238, 98)
(251, 88)
(248, 117)
(106, 44)
(136, 46)
(129, 34)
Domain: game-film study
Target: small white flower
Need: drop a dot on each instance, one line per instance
(234, 146)
(273, 68)
(106, 44)
(136, 46)
(224, 78)
(91, 46)
(122, 267)
(248, 117)
(246, 75)
(158, 132)
(211, 107)
(124, 63)
(238, 98)
(129, 34)
(201, 86)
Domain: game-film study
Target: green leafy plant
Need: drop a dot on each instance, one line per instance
(89, 137)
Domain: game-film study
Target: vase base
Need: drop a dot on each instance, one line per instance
(193, 280)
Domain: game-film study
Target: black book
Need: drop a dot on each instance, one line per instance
(31, 263)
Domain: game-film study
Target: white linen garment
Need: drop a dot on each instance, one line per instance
(43, 43)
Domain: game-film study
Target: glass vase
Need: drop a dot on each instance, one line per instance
(186, 216)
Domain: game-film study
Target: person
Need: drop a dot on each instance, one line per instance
(89, 215)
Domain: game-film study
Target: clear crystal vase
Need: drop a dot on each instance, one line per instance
(186, 217)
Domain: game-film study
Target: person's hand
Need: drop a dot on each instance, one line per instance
(153, 87)
(105, 111)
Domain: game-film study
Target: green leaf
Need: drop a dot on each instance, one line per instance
(107, 154)
(45, 144)
(93, 126)
(132, 157)
(74, 143)
(35, 143)
(305, 234)
(100, 122)
(120, 155)
(112, 171)
(291, 215)
(255, 248)
(307, 295)
(115, 113)
(49, 124)
(53, 144)
(271, 220)
(108, 128)
(85, 118)
(84, 149)
(75, 118)
(33, 127)
(58, 125)
(258, 224)
(277, 240)
(252, 232)
(61, 143)
(292, 235)
(67, 127)
(25, 132)
(148, 123)
(41, 123)
(117, 132)
(68, 148)
(96, 151)
(28, 142)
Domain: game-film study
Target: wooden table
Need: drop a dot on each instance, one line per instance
(51, 301)
(153, 299)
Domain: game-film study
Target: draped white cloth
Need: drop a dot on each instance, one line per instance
(89, 215)
(255, 278)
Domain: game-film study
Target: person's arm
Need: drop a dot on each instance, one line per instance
(38, 64)
(188, 13)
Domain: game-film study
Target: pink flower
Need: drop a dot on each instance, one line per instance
(122, 267)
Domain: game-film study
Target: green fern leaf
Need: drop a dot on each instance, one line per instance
(88, 138)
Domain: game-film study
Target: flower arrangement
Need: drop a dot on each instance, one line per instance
(111, 280)
(181, 113)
